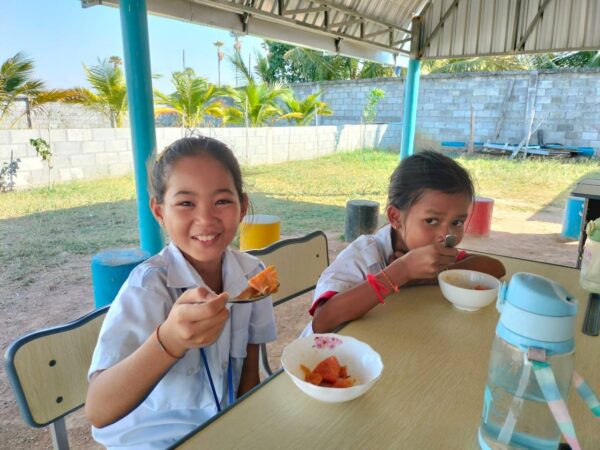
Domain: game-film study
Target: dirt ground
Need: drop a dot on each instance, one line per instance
(62, 295)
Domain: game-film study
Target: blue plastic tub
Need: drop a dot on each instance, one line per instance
(110, 269)
(573, 215)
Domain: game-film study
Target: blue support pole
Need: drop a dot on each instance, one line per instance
(136, 50)
(409, 118)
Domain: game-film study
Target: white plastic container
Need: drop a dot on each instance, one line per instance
(589, 277)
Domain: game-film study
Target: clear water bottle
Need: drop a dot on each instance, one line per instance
(537, 317)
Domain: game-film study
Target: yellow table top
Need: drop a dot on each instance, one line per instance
(430, 394)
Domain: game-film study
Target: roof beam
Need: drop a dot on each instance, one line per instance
(267, 15)
(365, 17)
(269, 25)
(317, 9)
(376, 33)
(453, 7)
(344, 23)
(534, 22)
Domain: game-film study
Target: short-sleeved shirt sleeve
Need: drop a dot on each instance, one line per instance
(367, 254)
(182, 399)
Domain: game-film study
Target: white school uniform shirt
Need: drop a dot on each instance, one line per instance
(368, 253)
(182, 399)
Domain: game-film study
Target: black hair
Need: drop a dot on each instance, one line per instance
(427, 170)
(193, 146)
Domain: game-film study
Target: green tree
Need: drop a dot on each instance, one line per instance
(238, 63)
(109, 93)
(194, 98)
(16, 82)
(257, 104)
(302, 112)
(479, 64)
(573, 60)
(370, 69)
(290, 64)
(263, 69)
(563, 60)
(370, 111)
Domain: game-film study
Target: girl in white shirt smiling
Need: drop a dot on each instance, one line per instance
(172, 352)
(428, 198)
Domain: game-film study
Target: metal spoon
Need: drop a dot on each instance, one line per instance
(450, 240)
(248, 300)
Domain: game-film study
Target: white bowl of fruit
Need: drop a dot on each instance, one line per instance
(331, 367)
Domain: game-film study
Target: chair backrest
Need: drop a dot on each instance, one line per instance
(299, 263)
(47, 369)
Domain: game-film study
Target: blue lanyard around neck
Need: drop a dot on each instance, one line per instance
(212, 384)
(210, 380)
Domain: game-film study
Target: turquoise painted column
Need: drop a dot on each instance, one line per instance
(136, 50)
(409, 118)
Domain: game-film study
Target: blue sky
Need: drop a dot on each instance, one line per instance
(60, 36)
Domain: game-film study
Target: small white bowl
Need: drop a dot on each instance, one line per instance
(364, 364)
(459, 286)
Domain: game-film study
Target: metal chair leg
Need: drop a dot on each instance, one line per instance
(264, 359)
(58, 430)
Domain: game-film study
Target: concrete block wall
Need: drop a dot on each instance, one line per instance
(92, 153)
(56, 115)
(568, 103)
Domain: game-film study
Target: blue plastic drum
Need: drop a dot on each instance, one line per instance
(110, 269)
(572, 218)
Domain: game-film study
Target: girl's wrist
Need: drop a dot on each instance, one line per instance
(397, 272)
(166, 346)
(393, 286)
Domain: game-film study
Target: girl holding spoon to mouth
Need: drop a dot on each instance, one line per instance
(429, 197)
(172, 352)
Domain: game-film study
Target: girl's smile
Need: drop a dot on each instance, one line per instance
(201, 210)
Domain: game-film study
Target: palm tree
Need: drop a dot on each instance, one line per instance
(109, 95)
(314, 65)
(193, 99)
(263, 68)
(257, 104)
(574, 59)
(240, 66)
(370, 69)
(479, 64)
(220, 56)
(16, 83)
(305, 109)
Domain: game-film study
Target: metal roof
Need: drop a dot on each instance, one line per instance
(381, 30)
(460, 28)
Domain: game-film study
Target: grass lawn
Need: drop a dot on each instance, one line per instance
(41, 228)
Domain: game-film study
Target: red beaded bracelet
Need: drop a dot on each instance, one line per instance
(164, 349)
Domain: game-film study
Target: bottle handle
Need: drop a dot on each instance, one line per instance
(585, 392)
(558, 407)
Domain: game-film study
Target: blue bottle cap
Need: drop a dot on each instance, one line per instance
(540, 295)
(536, 312)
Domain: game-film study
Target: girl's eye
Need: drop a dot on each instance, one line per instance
(223, 201)
(458, 223)
(431, 221)
(185, 204)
